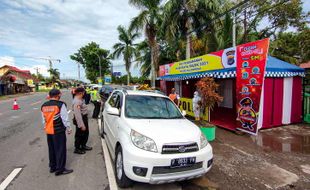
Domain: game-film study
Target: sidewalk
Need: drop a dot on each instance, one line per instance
(6, 97)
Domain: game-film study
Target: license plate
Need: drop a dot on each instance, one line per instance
(182, 162)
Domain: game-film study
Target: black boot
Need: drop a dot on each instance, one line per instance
(79, 151)
(86, 148)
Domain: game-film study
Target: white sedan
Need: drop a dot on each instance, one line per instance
(151, 141)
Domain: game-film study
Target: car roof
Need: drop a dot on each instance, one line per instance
(143, 93)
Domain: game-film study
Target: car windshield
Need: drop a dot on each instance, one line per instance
(150, 107)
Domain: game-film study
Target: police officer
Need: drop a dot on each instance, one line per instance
(56, 123)
(80, 120)
(95, 98)
(174, 97)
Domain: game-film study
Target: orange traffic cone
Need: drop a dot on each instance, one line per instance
(15, 105)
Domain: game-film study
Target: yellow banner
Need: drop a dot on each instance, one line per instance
(187, 105)
(213, 61)
(197, 64)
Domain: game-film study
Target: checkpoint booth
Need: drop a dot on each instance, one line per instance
(259, 91)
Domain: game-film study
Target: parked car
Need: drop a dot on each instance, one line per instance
(151, 141)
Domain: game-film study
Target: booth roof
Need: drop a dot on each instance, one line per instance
(274, 68)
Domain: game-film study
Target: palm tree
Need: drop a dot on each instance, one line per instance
(149, 19)
(55, 75)
(144, 60)
(181, 18)
(126, 47)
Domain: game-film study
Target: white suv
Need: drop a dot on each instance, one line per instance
(151, 141)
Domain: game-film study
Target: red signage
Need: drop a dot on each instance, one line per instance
(251, 65)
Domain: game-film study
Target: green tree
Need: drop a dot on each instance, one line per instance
(280, 14)
(186, 21)
(55, 75)
(168, 54)
(150, 20)
(293, 47)
(39, 76)
(126, 48)
(89, 57)
(144, 60)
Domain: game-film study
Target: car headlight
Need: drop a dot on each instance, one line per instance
(142, 141)
(203, 141)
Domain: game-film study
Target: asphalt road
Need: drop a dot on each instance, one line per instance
(23, 144)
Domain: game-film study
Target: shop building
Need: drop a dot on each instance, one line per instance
(14, 80)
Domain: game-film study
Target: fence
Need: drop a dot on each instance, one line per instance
(307, 107)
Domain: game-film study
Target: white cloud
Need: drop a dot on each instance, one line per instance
(7, 60)
(42, 69)
(58, 28)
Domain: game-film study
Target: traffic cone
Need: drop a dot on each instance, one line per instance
(15, 105)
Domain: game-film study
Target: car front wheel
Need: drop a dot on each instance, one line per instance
(122, 180)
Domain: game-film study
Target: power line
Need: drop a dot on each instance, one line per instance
(219, 16)
(241, 20)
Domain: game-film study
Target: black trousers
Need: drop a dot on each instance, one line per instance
(57, 151)
(81, 137)
(96, 109)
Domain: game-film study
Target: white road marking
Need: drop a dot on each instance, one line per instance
(35, 108)
(108, 162)
(35, 103)
(10, 178)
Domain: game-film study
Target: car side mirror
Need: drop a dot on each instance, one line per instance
(113, 111)
(184, 113)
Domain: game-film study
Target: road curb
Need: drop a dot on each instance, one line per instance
(108, 161)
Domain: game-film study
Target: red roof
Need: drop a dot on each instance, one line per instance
(305, 65)
(25, 73)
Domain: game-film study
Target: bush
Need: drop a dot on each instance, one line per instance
(207, 89)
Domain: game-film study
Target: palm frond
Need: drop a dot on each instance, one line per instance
(139, 22)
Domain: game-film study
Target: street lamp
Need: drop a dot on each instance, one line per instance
(99, 64)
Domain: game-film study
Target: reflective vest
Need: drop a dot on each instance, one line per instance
(172, 96)
(94, 95)
(51, 113)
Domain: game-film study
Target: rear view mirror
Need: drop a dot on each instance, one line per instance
(113, 111)
(184, 113)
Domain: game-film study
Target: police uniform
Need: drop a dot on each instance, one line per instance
(80, 120)
(55, 119)
(96, 101)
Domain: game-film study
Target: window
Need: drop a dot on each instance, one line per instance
(116, 100)
(150, 107)
(113, 99)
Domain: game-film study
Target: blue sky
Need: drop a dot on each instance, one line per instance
(57, 28)
(41, 28)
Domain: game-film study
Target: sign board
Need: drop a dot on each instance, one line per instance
(186, 104)
(250, 70)
(30, 82)
(99, 80)
(107, 79)
(117, 74)
(214, 61)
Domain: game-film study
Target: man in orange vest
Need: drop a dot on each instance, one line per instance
(174, 97)
(56, 123)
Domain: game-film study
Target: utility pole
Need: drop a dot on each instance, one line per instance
(37, 69)
(244, 27)
(111, 71)
(79, 74)
(234, 29)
